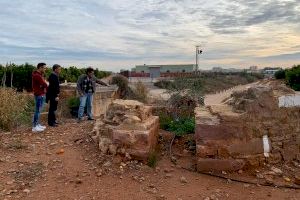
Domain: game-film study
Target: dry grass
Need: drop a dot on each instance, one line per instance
(138, 92)
(14, 108)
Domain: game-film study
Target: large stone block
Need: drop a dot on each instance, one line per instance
(208, 165)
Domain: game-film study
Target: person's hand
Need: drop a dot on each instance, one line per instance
(57, 99)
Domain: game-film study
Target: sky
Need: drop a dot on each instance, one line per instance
(119, 34)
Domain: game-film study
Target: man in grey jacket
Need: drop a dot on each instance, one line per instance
(86, 86)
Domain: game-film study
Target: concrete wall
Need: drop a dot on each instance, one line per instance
(102, 98)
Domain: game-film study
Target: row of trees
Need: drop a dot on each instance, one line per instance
(19, 76)
(291, 76)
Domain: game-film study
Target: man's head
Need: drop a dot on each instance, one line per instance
(41, 67)
(90, 72)
(56, 68)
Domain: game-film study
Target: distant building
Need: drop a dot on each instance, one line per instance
(269, 72)
(229, 70)
(155, 71)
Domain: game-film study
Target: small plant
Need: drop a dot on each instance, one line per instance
(73, 104)
(182, 126)
(152, 160)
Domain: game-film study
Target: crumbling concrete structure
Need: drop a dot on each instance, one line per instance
(247, 130)
(102, 98)
(129, 128)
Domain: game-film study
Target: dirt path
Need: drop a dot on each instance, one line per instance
(213, 99)
(52, 166)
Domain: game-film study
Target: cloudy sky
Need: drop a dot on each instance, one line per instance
(115, 34)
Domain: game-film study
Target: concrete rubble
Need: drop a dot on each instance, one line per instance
(249, 130)
(128, 129)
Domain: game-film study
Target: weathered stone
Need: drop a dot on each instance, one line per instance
(251, 147)
(289, 153)
(206, 151)
(275, 158)
(206, 165)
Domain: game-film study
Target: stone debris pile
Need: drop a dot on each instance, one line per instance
(128, 129)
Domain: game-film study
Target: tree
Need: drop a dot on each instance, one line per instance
(293, 77)
(280, 74)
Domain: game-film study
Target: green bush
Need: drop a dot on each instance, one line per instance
(73, 104)
(179, 126)
(280, 74)
(182, 126)
(293, 77)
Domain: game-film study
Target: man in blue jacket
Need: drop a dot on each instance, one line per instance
(52, 95)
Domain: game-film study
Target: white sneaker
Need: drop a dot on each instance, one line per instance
(41, 127)
(37, 129)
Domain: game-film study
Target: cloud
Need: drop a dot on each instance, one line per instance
(132, 32)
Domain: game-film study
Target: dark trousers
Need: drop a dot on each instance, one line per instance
(51, 113)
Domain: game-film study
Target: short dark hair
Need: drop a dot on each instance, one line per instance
(40, 65)
(89, 69)
(55, 66)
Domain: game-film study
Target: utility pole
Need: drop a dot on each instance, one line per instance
(198, 51)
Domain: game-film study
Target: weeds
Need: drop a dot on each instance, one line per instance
(152, 160)
(14, 108)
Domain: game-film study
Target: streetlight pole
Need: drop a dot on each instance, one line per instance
(198, 51)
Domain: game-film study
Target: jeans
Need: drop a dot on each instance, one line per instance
(86, 100)
(51, 114)
(39, 102)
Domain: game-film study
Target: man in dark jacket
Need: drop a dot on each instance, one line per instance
(86, 86)
(52, 95)
(39, 87)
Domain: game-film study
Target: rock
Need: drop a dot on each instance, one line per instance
(276, 171)
(287, 179)
(207, 198)
(173, 159)
(240, 171)
(168, 175)
(183, 179)
(112, 149)
(99, 174)
(78, 181)
(9, 182)
(27, 191)
(107, 164)
(61, 151)
(297, 179)
(269, 181)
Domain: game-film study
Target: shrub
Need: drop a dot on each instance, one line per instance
(14, 108)
(122, 83)
(139, 92)
(293, 77)
(182, 126)
(280, 74)
(73, 104)
(163, 84)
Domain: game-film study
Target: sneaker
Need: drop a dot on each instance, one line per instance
(91, 119)
(37, 129)
(41, 127)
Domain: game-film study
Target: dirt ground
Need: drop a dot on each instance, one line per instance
(63, 163)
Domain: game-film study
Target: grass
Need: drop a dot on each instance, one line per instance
(17, 145)
(15, 108)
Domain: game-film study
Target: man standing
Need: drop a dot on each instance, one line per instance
(86, 86)
(52, 95)
(39, 87)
